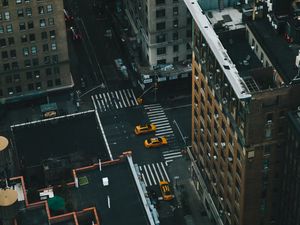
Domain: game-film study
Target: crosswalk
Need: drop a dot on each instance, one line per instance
(153, 173)
(157, 116)
(117, 99)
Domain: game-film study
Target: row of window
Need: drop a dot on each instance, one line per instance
(27, 11)
(161, 2)
(31, 87)
(30, 62)
(5, 2)
(163, 50)
(163, 37)
(175, 59)
(161, 13)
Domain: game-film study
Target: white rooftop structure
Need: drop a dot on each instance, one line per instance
(229, 69)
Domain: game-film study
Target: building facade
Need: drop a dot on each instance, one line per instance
(34, 52)
(163, 29)
(239, 117)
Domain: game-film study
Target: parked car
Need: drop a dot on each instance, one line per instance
(155, 142)
(143, 129)
(165, 190)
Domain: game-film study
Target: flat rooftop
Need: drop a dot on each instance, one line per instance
(125, 205)
(34, 216)
(240, 51)
(39, 141)
(281, 53)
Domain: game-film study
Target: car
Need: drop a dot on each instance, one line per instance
(76, 35)
(165, 190)
(155, 142)
(142, 129)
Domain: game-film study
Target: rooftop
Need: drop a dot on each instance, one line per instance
(281, 53)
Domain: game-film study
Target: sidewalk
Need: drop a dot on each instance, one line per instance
(186, 193)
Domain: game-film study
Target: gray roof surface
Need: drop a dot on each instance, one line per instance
(125, 204)
(281, 53)
(34, 216)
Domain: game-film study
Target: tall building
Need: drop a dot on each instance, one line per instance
(163, 28)
(34, 52)
(244, 81)
(290, 204)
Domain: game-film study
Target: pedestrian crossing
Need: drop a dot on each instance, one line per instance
(157, 116)
(153, 173)
(112, 100)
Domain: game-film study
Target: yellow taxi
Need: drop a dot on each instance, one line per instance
(142, 129)
(155, 142)
(165, 190)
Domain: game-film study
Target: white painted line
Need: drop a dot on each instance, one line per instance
(156, 110)
(98, 103)
(168, 161)
(161, 130)
(134, 97)
(153, 166)
(162, 124)
(118, 99)
(173, 157)
(120, 92)
(163, 127)
(158, 117)
(129, 94)
(143, 177)
(106, 102)
(114, 100)
(151, 105)
(102, 102)
(155, 113)
(165, 171)
(151, 174)
(126, 97)
(161, 174)
(140, 168)
(172, 153)
(145, 169)
(173, 150)
(163, 120)
(132, 102)
(164, 133)
(110, 102)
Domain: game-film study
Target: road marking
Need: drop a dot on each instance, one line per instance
(158, 117)
(163, 133)
(158, 109)
(162, 124)
(143, 177)
(165, 171)
(108, 95)
(155, 172)
(98, 103)
(164, 119)
(162, 176)
(145, 169)
(156, 113)
(115, 99)
(151, 174)
(152, 105)
(173, 150)
(172, 157)
(162, 127)
(134, 97)
(106, 102)
(168, 161)
(172, 153)
(122, 98)
(126, 97)
(119, 101)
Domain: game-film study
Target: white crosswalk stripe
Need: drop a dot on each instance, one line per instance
(153, 173)
(118, 99)
(172, 154)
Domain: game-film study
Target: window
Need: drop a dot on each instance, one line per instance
(175, 48)
(4, 55)
(159, 2)
(56, 70)
(16, 77)
(52, 34)
(45, 48)
(28, 12)
(36, 73)
(161, 51)
(44, 35)
(53, 46)
(41, 9)
(33, 50)
(175, 59)
(13, 53)
(42, 22)
(161, 26)
(27, 1)
(4, 2)
(47, 59)
(160, 38)
(48, 71)
(6, 16)
(1, 29)
(175, 11)
(188, 47)
(57, 81)
(18, 89)
(14, 65)
(20, 13)
(22, 26)
(30, 24)
(175, 23)
(25, 51)
(175, 36)
(51, 21)
(6, 66)
(30, 87)
(55, 59)
(29, 75)
(1, 92)
(35, 62)
(8, 79)
(23, 38)
(49, 8)
(161, 61)
(10, 91)
(2, 42)
(18, 1)
(160, 13)
(27, 63)
(9, 28)
(11, 41)
(38, 85)
(31, 37)
(175, 1)
(49, 83)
